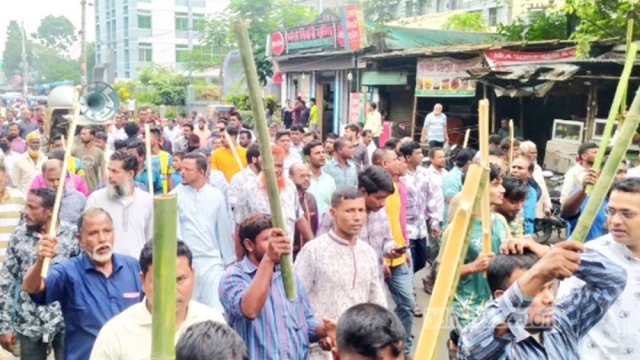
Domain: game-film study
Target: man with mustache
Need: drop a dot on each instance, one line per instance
(203, 225)
(38, 329)
(129, 207)
(91, 288)
(257, 201)
(28, 165)
(128, 335)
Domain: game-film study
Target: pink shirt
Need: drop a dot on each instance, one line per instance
(78, 184)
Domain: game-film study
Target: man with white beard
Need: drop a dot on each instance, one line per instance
(91, 288)
(130, 208)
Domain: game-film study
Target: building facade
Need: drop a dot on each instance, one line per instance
(133, 33)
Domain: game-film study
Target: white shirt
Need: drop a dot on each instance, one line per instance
(172, 134)
(634, 172)
(290, 160)
(24, 170)
(572, 179)
(114, 135)
(127, 336)
(615, 336)
(237, 185)
(132, 219)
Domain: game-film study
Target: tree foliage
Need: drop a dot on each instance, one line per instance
(541, 26)
(601, 19)
(265, 17)
(12, 55)
(469, 21)
(56, 32)
(50, 65)
(164, 86)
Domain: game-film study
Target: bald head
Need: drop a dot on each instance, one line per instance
(51, 172)
(299, 174)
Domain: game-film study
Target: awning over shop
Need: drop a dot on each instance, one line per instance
(524, 80)
(379, 78)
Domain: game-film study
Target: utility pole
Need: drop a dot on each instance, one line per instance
(83, 43)
(25, 66)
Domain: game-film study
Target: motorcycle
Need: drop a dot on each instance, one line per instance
(545, 227)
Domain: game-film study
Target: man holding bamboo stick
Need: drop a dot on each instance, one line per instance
(252, 291)
(223, 158)
(573, 177)
(103, 283)
(525, 320)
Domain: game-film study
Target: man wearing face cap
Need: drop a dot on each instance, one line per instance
(29, 164)
(38, 328)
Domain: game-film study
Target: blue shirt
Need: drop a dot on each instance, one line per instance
(156, 179)
(88, 298)
(529, 210)
(574, 315)
(342, 176)
(597, 226)
(451, 186)
(283, 328)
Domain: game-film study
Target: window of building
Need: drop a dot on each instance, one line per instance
(145, 52)
(144, 19)
(493, 16)
(182, 22)
(182, 53)
(203, 54)
(198, 22)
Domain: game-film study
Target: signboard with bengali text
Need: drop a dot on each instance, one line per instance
(497, 58)
(445, 77)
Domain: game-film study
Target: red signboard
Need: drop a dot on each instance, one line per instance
(497, 58)
(353, 22)
(277, 43)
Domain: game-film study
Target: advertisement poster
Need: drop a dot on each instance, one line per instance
(356, 108)
(353, 35)
(445, 77)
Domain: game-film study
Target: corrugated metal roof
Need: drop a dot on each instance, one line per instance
(466, 48)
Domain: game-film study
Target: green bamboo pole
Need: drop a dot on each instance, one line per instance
(615, 106)
(255, 94)
(623, 104)
(164, 277)
(625, 135)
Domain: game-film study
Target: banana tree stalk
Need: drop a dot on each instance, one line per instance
(601, 188)
(163, 327)
(615, 106)
(255, 94)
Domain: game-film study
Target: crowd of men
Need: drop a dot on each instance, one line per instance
(361, 218)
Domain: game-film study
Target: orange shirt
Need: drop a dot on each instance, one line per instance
(222, 159)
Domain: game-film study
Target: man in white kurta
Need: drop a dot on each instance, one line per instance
(337, 269)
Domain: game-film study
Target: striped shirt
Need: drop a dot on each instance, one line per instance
(11, 207)
(283, 328)
(574, 315)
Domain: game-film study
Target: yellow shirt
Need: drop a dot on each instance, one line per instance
(222, 159)
(392, 207)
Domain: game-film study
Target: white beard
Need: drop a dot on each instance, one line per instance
(115, 192)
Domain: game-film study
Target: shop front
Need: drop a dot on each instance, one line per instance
(315, 61)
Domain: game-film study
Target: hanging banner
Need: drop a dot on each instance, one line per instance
(356, 108)
(498, 58)
(353, 35)
(445, 77)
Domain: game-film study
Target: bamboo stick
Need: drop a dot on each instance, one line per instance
(485, 206)
(163, 324)
(615, 107)
(65, 167)
(623, 104)
(510, 142)
(246, 54)
(466, 138)
(147, 144)
(601, 188)
(453, 256)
